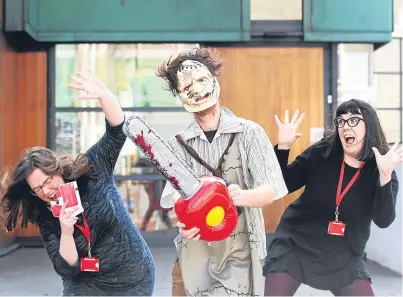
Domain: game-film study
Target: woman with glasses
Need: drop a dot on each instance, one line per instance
(349, 182)
(103, 237)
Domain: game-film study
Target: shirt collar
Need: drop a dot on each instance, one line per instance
(229, 123)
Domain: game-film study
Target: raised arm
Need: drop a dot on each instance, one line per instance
(294, 173)
(106, 151)
(384, 209)
(383, 213)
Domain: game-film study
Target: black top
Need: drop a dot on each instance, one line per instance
(126, 264)
(210, 135)
(301, 245)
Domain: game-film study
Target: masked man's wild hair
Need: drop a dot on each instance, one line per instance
(206, 56)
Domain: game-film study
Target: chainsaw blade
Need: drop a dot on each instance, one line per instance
(171, 165)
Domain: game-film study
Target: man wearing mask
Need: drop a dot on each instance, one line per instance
(219, 143)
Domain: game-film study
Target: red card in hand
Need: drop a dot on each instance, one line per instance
(67, 192)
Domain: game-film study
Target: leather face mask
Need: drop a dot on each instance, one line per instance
(198, 89)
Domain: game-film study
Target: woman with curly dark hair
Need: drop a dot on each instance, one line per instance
(126, 266)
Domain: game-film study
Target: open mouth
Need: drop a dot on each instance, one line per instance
(55, 196)
(349, 139)
(202, 98)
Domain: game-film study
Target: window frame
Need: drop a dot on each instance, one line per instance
(264, 33)
(52, 110)
(400, 74)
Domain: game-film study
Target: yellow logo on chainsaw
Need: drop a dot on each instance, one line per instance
(215, 216)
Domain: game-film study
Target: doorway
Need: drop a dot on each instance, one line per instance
(259, 82)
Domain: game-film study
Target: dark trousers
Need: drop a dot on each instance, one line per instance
(282, 284)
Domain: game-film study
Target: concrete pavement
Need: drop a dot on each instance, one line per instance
(28, 272)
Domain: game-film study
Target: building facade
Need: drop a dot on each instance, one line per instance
(276, 60)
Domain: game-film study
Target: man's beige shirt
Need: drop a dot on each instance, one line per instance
(259, 161)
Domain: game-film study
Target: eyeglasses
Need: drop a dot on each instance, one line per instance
(36, 191)
(352, 122)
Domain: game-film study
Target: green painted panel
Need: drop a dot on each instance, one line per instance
(348, 20)
(133, 20)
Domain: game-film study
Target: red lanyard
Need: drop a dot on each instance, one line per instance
(339, 194)
(86, 231)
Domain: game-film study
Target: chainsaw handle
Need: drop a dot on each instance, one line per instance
(238, 208)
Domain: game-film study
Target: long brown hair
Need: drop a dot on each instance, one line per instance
(17, 193)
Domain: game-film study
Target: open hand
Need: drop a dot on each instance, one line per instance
(188, 234)
(67, 220)
(287, 131)
(386, 163)
(92, 87)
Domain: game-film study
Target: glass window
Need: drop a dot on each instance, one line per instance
(76, 132)
(276, 9)
(142, 202)
(387, 91)
(391, 124)
(387, 58)
(376, 77)
(127, 69)
(355, 66)
(397, 16)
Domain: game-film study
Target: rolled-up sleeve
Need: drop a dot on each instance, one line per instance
(262, 162)
(51, 240)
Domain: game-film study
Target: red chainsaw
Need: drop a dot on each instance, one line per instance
(205, 202)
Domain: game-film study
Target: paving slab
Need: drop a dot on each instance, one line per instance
(29, 272)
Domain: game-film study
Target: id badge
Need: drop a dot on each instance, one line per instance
(89, 264)
(336, 228)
